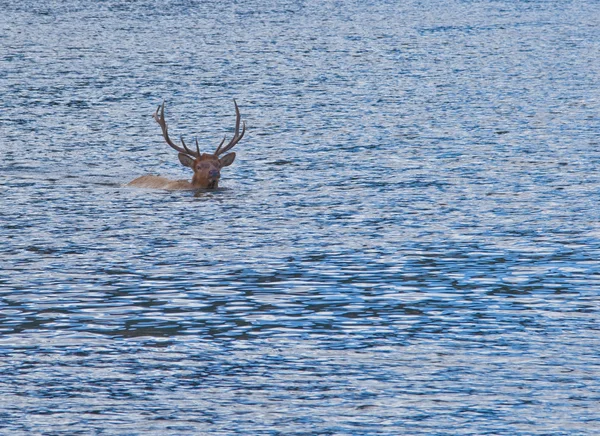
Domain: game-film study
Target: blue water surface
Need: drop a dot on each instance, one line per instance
(407, 243)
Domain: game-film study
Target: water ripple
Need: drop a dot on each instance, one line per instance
(407, 243)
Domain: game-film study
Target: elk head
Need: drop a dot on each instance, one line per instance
(206, 167)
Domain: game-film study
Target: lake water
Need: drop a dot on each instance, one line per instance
(407, 243)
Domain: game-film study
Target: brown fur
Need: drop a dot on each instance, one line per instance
(206, 167)
(157, 182)
(202, 167)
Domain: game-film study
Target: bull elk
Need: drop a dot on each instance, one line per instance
(206, 167)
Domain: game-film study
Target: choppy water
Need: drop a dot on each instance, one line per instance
(407, 243)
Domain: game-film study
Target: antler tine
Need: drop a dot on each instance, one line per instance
(237, 136)
(160, 119)
(187, 150)
(220, 145)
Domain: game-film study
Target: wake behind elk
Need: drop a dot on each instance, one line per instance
(206, 167)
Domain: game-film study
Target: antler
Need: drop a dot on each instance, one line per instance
(236, 137)
(160, 119)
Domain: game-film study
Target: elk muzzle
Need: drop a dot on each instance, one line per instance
(214, 174)
(213, 178)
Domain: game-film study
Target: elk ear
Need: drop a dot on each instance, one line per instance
(186, 161)
(227, 159)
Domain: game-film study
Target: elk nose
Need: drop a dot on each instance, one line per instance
(214, 174)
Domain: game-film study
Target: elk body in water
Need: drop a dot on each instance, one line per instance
(206, 167)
